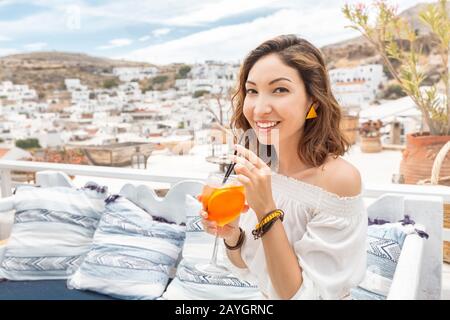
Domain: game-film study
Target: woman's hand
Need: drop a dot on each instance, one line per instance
(255, 175)
(230, 232)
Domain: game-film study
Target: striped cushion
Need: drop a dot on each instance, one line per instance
(192, 284)
(132, 256)
(384, 244)
(52, 230)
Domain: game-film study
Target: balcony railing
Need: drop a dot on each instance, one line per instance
(370, 190)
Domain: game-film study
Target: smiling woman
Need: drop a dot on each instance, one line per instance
(308, 219)
(295, 75)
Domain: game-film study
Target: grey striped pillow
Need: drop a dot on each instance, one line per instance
(53, 228)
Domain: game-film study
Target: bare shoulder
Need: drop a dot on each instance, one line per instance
(340, 177)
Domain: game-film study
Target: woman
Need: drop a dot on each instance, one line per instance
(318, 250)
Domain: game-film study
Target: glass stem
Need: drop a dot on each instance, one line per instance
(214, 255)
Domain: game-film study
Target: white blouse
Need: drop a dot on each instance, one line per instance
(327, 232)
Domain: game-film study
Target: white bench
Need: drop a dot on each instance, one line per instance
(419, 269)
(418, 272)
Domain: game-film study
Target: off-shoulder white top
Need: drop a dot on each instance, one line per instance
(327, 232)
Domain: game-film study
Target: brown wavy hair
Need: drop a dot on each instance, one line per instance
(321, 136)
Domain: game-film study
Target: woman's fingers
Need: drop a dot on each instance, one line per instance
(243, 170)
(209, 226)
(250, 156)
(246, 182)
(245, 163)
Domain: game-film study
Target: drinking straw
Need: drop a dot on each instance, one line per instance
(231, 166)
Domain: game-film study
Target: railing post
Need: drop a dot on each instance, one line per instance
(6, 183)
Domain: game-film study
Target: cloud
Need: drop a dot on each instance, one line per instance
(232, 43)
(217, 10)
(36, 46)
(144, 38)
(116, 43)
(3, 38)
(7, 51)
(319, 20)
(160, 32)
(39, 23)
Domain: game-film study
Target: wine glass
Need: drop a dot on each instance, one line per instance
(224, 203)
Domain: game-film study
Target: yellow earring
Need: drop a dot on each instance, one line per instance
(312, 112)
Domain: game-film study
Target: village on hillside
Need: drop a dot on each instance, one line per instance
(104, 126)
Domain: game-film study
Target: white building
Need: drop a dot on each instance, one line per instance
(213, 77)
(80, 96)
(72, 84)
(403, 110)
(129, 91)
(53, 138)
(16, 92)
(134, 73)
(354, 87)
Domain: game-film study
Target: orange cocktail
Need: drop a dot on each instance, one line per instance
(223, 203)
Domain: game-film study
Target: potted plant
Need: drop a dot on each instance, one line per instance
(369, 132)
(399, 47)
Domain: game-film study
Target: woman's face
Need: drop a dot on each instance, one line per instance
(276, 101)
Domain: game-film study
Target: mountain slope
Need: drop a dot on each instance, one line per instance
(358, 50)
(46, 71)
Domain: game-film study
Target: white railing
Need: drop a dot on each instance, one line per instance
(370, 190)
(6, 166)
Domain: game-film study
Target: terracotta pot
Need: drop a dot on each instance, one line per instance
(371, 144)
(419, 155)
(349, 127)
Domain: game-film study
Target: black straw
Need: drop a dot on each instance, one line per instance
(231, 166)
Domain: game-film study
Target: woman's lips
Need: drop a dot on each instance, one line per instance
(266, 126)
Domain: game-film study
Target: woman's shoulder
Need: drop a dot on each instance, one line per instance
(337, 181)
(340, 177)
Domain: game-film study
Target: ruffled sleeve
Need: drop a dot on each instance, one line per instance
(332, 253)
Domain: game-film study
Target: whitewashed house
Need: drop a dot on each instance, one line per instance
(127, 74)
(211, 76)
(16, 92)
(72, 84)
(129, 91)
(53, 138)
(354, 87)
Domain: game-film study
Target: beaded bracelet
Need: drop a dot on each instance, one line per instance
(239, 243)
(268, 217)
(267, 222)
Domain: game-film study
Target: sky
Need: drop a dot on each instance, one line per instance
(168, 31)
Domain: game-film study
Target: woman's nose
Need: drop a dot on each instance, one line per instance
(262, 106)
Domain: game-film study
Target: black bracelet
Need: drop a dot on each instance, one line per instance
(259, 232)
(239, 243)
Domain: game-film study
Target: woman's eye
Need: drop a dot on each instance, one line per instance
(280, 90)
(251, 91)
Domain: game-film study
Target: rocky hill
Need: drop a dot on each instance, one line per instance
(46, 71)
(358, 50)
